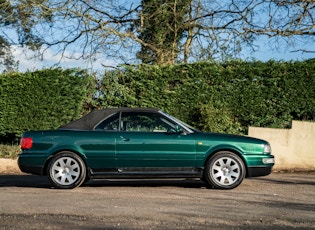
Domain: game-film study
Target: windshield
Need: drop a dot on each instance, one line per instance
(188, 127)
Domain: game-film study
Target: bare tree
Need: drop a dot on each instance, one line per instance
(163, 32)
(7, 63)
(291, 20)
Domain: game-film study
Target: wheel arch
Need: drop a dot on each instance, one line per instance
(226, 148)
(59, 151)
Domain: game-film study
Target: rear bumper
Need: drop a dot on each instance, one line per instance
(31, 170)
(32, 165)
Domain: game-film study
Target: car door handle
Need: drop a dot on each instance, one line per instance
(124, 138)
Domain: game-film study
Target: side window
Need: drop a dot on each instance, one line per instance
(144, 122)
(109, 124)
(136, 122)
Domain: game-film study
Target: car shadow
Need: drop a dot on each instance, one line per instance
(24, 180)
(290, 179)
(184, 183)
(33, 181)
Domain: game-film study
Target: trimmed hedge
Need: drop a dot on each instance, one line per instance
(41, 100)
(219, 97)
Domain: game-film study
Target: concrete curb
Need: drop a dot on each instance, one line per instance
(9, 166)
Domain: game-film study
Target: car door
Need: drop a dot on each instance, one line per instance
(100, 146)
(149, 141)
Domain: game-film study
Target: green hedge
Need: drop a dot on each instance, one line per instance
(219, 97)
(41, 100)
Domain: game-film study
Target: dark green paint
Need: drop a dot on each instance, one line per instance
(103, 150)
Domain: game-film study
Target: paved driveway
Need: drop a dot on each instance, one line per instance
(278, 201)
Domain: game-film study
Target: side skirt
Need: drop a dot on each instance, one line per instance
(146, 173)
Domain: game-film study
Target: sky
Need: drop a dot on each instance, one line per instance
(284, 52)
(28, 63)
(265, 53)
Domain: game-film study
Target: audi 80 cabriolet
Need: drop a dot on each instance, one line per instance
(123, 143)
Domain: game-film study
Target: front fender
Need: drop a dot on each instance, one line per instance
(208, 152)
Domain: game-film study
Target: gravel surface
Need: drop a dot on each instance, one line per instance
(277, 201)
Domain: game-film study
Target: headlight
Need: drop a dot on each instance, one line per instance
(267, 148)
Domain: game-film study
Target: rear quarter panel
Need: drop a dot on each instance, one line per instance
(97, 149)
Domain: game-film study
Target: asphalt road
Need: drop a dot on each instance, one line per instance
(278, 201)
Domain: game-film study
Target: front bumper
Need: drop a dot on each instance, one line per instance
(258, 171)
(259, 165)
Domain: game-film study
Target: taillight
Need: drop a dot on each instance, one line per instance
(26, 143)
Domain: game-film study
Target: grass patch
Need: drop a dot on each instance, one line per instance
(9, 151)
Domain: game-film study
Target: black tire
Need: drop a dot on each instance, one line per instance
(224, 170)
(86, 179)
(66, 170)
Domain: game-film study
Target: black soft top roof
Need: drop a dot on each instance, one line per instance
(89, 121)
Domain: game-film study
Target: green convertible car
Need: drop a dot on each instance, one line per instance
(141, 143)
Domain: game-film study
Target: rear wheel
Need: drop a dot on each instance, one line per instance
(224, 170)
(66, 170)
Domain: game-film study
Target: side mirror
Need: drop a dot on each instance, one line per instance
(179, 129)
(176, 129)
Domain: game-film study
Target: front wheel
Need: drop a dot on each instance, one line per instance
(224, 170)
(66, 170)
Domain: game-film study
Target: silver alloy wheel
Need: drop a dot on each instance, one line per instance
(65, 171)
(225, 171)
